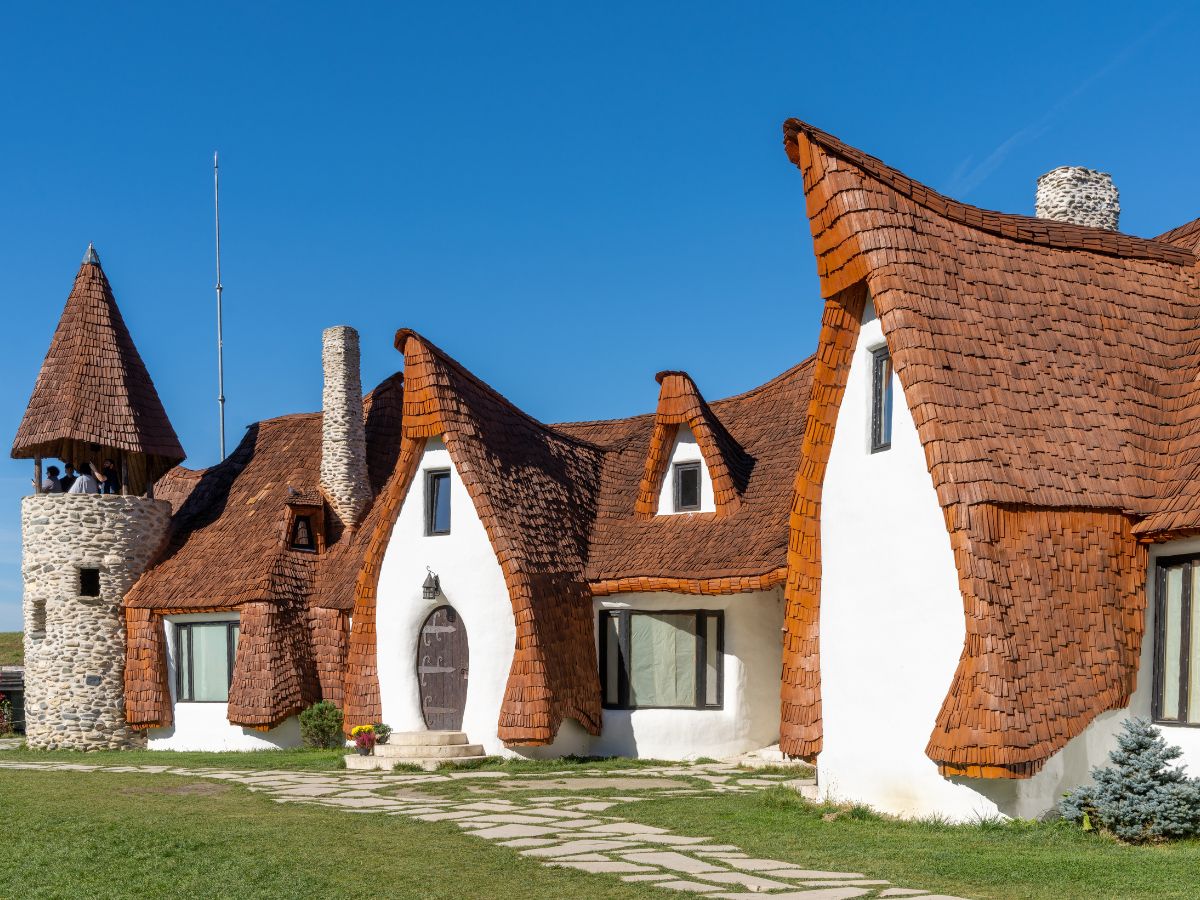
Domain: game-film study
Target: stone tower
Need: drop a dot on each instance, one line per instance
(1080, 195)
(93, 401)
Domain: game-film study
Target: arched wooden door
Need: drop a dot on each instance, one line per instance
(442, 668)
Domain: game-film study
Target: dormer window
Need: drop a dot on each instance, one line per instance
(881, 400)
(687, 486)
(437, 502)
(302, 534)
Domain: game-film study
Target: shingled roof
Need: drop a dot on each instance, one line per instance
(1050, 370)
(93, 387)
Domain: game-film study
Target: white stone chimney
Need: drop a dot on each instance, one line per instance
(343, 437)
(1079, 195)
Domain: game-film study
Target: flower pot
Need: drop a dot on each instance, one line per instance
(364, 751)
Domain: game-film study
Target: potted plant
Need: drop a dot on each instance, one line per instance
(364, 739)
(382, 732)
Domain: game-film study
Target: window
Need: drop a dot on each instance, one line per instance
(204, 655)
(881, 400)
(687, 486)
(1177, 642)
(437, 502)
(89, 582)
(662, 660)
(302, 534)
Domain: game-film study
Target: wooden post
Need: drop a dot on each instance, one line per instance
(37, 474)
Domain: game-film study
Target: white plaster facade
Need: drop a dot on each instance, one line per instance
(206, 726)
(683, 450)
(471, 581)
(749, 717)
(892, 630)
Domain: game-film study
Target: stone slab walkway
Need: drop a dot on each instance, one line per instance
(566, 829)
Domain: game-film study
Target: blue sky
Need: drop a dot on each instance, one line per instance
(566, 197)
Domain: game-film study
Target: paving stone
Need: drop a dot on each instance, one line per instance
(594, 806)
(659, 876)
(721, 850)
(676, 861)
(627, 828)
(609, 866)
(819, 894)
(553, 813)
(858, 882)
(442, 816)
(570, 848)
(777, 867)
(694, 886)
(579, 857)
(511, 831)
(528, 842)
(746, 880)
(309, 790)
(357, 802)
(672, 839)
(901, 892)
(503, 818)
(940, 897)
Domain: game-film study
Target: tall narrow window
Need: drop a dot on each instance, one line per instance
(204, 657)
(687, 486)
(302, 534)
(1177, 641)
(881, 400)
(437, 502)
(661, 660)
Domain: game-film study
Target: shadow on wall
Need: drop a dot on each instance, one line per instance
(616, 738)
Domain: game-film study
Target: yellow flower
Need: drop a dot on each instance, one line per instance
(361, 729)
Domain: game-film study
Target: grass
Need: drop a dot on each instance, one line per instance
(296, 760)
(110, 835)
(12, 649)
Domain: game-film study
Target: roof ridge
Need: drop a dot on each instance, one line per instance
(1014, 226)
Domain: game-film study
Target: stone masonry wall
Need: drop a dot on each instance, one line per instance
(1080, 195)
(343, 437)
(75, 645)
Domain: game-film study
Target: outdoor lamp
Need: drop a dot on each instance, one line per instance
(431, 587)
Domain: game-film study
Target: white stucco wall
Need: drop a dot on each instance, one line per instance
(205, 726)
(685, 449)
(892, 630)
(471, 582)
(749, 717)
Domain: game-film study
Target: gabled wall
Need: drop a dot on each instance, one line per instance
(685, 449)
(471, 581)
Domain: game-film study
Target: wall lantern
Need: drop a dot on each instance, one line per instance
(432, 586)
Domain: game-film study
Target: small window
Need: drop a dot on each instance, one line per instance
(662, 660)
(1176, 698)
(204, 656)
(881, 400)
(437, 502)
(89, 582)
(302, 534)
(687, 486)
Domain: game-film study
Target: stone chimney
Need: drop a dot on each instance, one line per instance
(343, 438)
(1079, 195)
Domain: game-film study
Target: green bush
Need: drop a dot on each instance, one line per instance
(321, 726)
(382, 732)
(1140, 797)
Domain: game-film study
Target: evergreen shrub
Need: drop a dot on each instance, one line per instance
(321, 726)
(1140, 797)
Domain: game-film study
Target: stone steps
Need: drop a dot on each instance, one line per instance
(427, 749)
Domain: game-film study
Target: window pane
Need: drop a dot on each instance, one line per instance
(1171, 631)
(612, 660)
(210, 661)
(662, 669)
(439, 503)
(712, 661)
(185, 665)
(687, 486)
(881, 399)
(886, 436)
(1193, 710)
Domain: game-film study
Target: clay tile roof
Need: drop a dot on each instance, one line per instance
(93, 387)
(1186, 235)
(1049, 369)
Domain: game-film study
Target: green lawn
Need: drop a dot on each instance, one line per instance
(296, 760)
(82, 835)
(12, 650)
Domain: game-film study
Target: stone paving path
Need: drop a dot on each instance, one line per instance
(566, 829)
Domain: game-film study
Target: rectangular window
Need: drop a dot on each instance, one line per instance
(687, 486)
(204, 657)
(881, 400)
(662, 660)
(89, 582)
(437, 502)
(302, 534)
(1177, 641)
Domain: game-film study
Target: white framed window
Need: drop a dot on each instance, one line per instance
(437, 501)
(686, 486)
(1176, 699)
(881, 400)
(204, 658)
(662, 660)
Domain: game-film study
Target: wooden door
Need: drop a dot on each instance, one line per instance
(442, 667)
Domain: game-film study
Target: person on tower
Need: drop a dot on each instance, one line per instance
(50, 481)
(85, 483)
(107, 477)
(64, 483)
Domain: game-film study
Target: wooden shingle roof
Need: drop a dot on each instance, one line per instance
(93, 387)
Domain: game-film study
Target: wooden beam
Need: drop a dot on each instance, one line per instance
(37, 474)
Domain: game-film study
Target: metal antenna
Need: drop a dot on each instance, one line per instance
(220, 340)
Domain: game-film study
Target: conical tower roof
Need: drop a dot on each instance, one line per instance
(94, 393)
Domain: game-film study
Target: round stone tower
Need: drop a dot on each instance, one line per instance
(1080, 195)
(93, 403)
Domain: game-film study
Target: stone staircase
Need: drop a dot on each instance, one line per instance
(427, 749)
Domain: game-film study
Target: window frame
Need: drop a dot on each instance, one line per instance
(623, 617)
(431, 503)
(689, 465)
(1162, 564)
(882, 399)
(293, 544)
(182, 628)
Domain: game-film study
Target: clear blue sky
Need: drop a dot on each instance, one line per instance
(567, 197)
